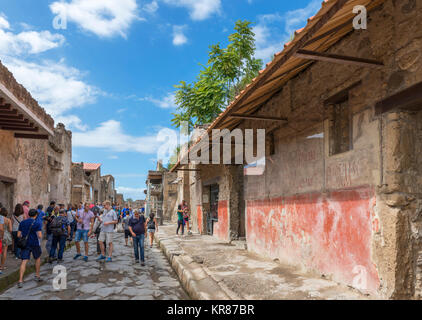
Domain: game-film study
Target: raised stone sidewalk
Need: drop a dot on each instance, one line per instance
(210, 269)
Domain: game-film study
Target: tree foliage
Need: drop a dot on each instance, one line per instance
(226, 74)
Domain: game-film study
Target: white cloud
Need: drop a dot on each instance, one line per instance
(134, 193)
(179, 37)
(56, 86)
(109, 135)
(198, 9)
(297, 18)
(167, 102)
(151, 7)
(105, 18)
(273, 30)
(26, 42)
(71, 121)
(4, 24)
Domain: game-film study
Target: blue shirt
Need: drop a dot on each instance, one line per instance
(24, 227)
(40, 216)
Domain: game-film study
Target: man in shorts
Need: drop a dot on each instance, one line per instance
(85, 220)
(30, 229)
(108, 220)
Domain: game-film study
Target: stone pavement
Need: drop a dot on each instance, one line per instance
(122, 279)
(213, 269)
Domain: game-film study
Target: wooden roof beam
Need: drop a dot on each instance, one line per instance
(8, 112)
(31, 136)
(253, 117)
(336, 58)
(6, 106)
(8, 117)
(12, 128)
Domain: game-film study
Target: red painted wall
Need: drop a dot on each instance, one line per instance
(199, 218)
(221, 228)
(328, 233)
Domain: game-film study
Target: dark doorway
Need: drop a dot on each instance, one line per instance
(7, 187)
(213, 214)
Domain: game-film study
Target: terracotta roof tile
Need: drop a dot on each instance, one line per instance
(91, 166)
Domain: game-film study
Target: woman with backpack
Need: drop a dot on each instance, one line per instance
(17, 218)
(152, 228)
(7, 236)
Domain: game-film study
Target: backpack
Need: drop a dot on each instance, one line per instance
(151, 224)
(57, 227)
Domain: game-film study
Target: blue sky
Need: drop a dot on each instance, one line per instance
(109, 74)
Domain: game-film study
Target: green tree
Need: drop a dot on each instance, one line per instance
(226, 74)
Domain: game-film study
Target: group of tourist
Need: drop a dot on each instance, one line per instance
(25, 229)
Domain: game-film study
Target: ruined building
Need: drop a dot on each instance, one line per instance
(338, 191)
(35, 157)
(89, 186)
(108, 191)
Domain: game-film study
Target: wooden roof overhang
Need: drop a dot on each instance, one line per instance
(332, 23)
(18, 118)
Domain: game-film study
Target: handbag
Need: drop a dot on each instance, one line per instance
(22, 242)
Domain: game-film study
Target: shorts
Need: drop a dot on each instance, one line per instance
(26, 253)
(81, 234)
(127, 234)
(151, 230)
(106, 237)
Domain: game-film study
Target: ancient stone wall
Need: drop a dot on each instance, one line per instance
(169, 195)
(60, 165)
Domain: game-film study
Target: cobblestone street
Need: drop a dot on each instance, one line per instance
(121, 279)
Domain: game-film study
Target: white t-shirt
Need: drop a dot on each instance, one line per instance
(108, 216)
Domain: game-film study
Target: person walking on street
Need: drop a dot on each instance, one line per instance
(109, 222)
(60, 228)
(137, 227)
(186, 215)
(30, 233)
(7, 236)
(41, 217)
(152, 228)
(71, 212)
(180, 222)
(126, 229)
(54, 213)
(85, 223)
(26, 209)
(17, 218)
(97, 231)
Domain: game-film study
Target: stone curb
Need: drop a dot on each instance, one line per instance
(11, 279)
(196, 281)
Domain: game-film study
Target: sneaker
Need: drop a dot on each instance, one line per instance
(38, 279)
(109, 259)
(86, 259)
(20, 285)
(77, 256)
(60, 261)
(50, 260)
(136, 261)
(101, 257)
